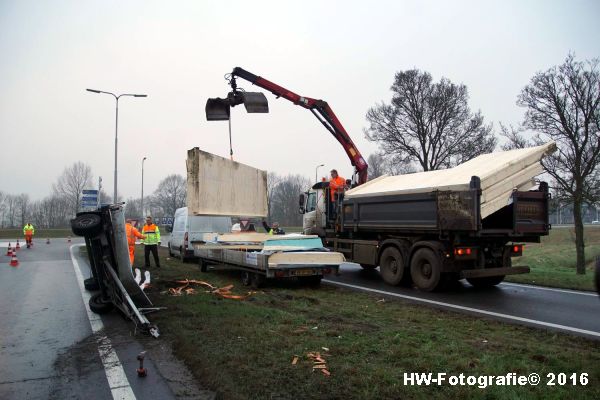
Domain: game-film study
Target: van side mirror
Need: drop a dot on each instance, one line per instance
(301, 203)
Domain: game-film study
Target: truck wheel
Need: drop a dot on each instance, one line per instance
(392, 266)
(487, 281)
(246, 278)
(98, 305)
(91, 284)
(86, 225)
(258, 281)
(425, 269)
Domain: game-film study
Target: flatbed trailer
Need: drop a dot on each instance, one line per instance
(257, 266)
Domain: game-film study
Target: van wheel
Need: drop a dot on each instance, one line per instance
(392, 266)
(426, 269)
(87, 225)
(98, 305)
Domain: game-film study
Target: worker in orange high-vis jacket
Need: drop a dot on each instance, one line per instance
(337, 184)
(132, 233)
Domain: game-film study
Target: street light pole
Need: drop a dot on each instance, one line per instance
(144, 159)
(317, 171)
(117, 97)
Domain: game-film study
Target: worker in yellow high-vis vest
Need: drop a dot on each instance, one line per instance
(151, 242)
(28, 231)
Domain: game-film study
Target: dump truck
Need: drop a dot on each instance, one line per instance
(435, 227)
(429, 228)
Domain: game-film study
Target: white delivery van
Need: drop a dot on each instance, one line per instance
(190, 228)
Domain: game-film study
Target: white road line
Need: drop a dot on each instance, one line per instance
(549, 289)
(115, 374)
(470, 309)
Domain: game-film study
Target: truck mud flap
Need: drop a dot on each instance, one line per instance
(481, 273)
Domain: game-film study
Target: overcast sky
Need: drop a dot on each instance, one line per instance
(345, 52)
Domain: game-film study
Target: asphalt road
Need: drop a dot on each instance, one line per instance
(546, 308)
(47, 348)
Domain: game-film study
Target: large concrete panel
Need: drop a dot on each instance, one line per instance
(218, 186)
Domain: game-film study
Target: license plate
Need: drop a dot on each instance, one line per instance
(303, 272)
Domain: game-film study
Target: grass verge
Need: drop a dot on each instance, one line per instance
(39, 233)
(244, 349)
(553, 261)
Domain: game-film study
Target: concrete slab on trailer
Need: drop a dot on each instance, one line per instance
(218, 186)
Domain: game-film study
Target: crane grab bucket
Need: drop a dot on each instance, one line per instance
(217, 109)
(255, 102)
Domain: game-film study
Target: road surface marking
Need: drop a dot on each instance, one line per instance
(115, 374)
(550, 289)
(474, 310)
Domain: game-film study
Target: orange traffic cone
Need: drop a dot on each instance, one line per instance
(9, 250)
(18, 245)
(13, 261)
(47, 240)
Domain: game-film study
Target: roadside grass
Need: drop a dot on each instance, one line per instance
(553, 261)
(244, 349)
(39, 233)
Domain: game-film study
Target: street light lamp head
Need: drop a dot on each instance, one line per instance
(140, 95)
(93, 90)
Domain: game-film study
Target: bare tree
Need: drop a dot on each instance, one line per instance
(22, 207)
(285, 199)
(11, 205)
(562, 104)
(133, 208)
(377, 165)
(170, 195)
(272, 181)
(72, 181)
(429, 123)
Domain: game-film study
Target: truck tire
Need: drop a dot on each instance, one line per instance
(98, 305)
(86, 224)
(487, 281)
(91, 284)
(246, 278)
(391, 266)
(426, 269)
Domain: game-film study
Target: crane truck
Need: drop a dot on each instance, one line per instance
(428, 236)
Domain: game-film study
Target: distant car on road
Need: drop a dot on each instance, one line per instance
(595, 222)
